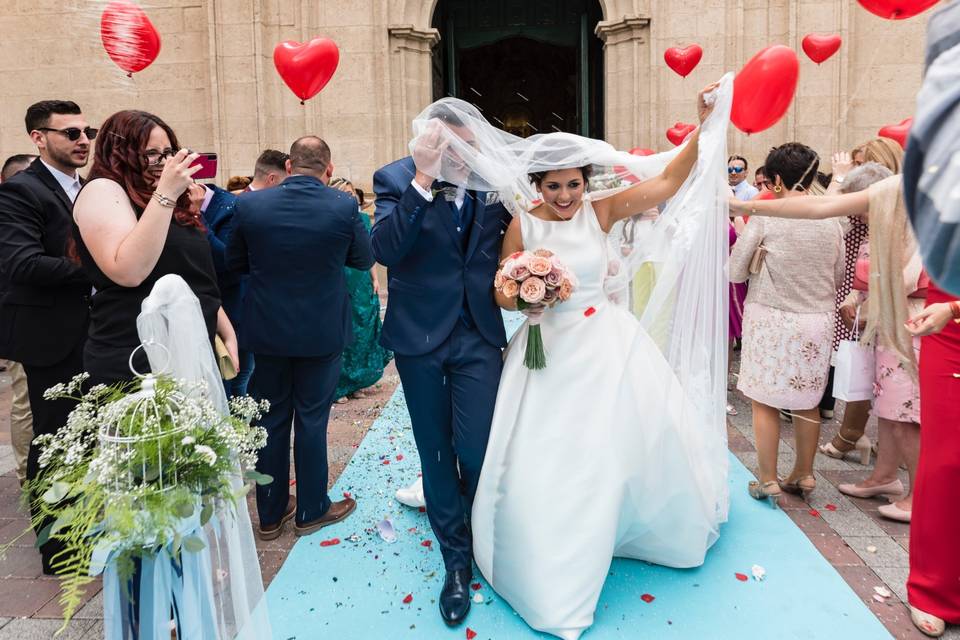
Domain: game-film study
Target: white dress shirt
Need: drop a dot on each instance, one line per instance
(745, 191)
(69, 184)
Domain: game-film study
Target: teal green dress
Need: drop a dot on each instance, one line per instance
(363, 359)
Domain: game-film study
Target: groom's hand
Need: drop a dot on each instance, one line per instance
(427, 153)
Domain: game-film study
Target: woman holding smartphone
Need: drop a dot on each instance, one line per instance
(134, 225)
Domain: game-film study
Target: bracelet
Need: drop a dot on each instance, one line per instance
(163, 200)
(955, 310)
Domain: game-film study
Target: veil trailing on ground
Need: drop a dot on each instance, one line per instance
(174, 335)
(679, 250)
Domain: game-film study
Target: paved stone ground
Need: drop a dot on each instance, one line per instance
(844, 531)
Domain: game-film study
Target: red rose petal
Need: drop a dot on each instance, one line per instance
(293, 482)
(471, 634)
(814, 513)
(426, 543)
(346, 494)
(647, 598)
(386, 462)
(831, 507)
(589, 312)
(741, 577)
(422, 509)
(476, 586)
(408, 599)
(331, 542)
(399, 457)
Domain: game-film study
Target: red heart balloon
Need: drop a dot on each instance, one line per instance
(306, 67)
(679, 132)
(128, 36)
(897, 132)
(684, 60)
(896, 9)
(820, 47)
(640, 151)
(764, 88)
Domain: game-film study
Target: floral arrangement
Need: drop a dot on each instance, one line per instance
(534, 279)
(133, 464)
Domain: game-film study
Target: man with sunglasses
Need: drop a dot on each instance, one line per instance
(44, 295)
(737, 177)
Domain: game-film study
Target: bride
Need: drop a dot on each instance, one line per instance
(618, 447)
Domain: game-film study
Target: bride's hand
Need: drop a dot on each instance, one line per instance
(534, 313)
(705, 105)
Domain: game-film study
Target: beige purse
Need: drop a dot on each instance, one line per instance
(227, 369)
(756, 262)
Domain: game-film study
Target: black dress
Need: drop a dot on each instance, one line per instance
(114, 308)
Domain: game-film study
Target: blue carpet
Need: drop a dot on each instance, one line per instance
(355, 588)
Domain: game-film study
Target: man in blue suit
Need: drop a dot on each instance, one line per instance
(294, 241)
(441, 245)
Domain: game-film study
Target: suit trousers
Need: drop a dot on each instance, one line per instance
(450, 394)
(21, 420)
(300, 392)
(48, 417)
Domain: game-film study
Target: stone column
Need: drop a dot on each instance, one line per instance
(411, 85)
(626, 68)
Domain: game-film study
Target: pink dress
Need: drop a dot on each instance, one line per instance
(738, 293)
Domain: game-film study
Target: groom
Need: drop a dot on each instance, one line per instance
(441, 244)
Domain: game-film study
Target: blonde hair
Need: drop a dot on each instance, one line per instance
(884, 151)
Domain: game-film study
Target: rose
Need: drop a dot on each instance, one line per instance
(515, 255)
(566, 290)
(553, 279)
(550, 297)
(498, 280)
(543, 253)
(510, 288)
(518, 272)
(532, 290)
(539, 266)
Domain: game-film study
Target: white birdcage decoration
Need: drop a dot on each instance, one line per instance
(145, 437)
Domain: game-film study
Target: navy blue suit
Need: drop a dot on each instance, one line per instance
(294, 241)
(218, 218)
(447, 332)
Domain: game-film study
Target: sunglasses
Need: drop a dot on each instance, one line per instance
(735, 169)
(73, 133)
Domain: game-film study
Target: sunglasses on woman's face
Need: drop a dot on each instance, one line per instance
(73, 133)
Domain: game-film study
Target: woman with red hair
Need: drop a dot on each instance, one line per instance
(134, 225)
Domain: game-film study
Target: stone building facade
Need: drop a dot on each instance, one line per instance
(215, 83)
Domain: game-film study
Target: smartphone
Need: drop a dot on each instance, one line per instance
(208, 164)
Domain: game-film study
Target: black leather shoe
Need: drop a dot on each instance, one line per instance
(455, 597)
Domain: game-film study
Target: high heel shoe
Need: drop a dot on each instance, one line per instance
(928, 623)
(890, 490)
(861, 446)
(801, 486)
(765, 491)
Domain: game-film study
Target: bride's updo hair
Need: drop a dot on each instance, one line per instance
(537, 178)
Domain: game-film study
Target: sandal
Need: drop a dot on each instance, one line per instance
(839, 447)
(800, 487)
(927, 623)
(769, 491)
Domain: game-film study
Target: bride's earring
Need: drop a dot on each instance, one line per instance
(777, 189)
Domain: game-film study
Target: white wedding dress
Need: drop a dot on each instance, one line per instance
(592, 457)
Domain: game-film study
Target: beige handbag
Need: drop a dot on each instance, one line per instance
(227, 369)
(756, 262)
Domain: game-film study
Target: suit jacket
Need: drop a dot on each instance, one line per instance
(218, 217)
(294, 241)
(44, 296)
(430, 273)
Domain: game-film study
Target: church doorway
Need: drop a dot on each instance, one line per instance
(530, 66)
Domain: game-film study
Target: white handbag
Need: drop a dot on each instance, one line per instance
(854, 372)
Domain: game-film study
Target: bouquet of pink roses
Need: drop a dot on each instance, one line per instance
(534, 278)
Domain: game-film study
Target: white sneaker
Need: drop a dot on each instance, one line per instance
(412, 496)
